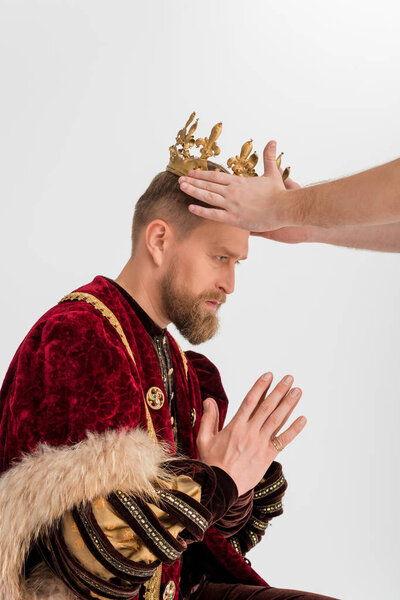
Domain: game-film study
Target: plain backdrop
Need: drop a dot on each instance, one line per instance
(92, 96)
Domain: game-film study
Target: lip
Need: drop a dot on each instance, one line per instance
(212, 304)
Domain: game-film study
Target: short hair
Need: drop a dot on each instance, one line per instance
(164, 199)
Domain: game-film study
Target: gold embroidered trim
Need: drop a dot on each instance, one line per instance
(106, 555)
(109, 315)
(98, 586)
(235, 543)
(153, 586)
(259, 524)
(185, 508)
(271, 488)
(271, 507)
(151, 531)
(184, 359)
(253, 537)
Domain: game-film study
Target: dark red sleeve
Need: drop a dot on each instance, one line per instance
(237, 516)
(267, 504)
(210, 382)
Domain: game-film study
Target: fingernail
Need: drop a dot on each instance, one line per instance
(288, 379)
(266, 376)
(295, 392)
(302, 420)
(182, 179)
(184, 186)
(273, 145)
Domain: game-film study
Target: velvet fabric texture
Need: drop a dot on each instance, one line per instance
(72, 375)
(226, 591)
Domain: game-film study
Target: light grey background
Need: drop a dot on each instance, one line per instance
(92, 95)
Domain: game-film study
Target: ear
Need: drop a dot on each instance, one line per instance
(158, 238)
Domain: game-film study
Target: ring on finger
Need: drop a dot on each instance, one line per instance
(277, 443)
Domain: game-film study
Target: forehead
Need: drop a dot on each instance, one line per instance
(222, 238)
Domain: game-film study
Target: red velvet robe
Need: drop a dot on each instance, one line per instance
(72, 375)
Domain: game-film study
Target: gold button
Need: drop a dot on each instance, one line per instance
(192, 416)
(155, 398)
(169, 591)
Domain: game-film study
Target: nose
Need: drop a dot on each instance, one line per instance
(226, 282)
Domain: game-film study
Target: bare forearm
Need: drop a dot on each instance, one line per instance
(368, 198)
(383, 238)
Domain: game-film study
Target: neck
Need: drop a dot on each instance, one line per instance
(142, 285)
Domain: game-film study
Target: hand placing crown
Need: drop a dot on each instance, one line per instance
(181, 161)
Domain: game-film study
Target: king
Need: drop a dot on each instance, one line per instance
(119, 479)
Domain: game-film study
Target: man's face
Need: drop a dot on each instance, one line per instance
(199, 276)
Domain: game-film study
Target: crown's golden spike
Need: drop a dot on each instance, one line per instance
(209, 145)
(243, 165)
(181, 161)
(185, 138)
(286, 172)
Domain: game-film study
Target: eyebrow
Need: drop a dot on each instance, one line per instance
(224, 251)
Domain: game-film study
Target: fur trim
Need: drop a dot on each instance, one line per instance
(43, 585)
(42, 485)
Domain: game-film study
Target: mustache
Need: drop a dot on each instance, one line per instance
(216, 296)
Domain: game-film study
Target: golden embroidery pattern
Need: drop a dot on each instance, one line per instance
(262, 525)
(184, 359)
(254, 538)
(151, 531)
(271, 507)
(103, 551)
(185, 508)
(235, 543)
(153, 586)
(271, 488)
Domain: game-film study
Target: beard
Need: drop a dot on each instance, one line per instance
(187, 310)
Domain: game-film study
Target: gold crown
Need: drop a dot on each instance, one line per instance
(181, 161)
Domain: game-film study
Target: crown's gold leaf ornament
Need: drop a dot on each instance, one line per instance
(243, 165)
(181, 161)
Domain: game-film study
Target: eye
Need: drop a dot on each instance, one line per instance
(221, 258)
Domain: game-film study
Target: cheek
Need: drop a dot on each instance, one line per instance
(198, 274)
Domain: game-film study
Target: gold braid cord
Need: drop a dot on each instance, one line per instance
(184, 359)
(153, 585)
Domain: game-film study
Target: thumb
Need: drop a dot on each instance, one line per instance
(209, 421)
(270, 166)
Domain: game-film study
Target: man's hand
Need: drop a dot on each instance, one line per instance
(253, 203)
(244, 448)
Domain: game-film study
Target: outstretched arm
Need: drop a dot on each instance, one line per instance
(383, 238)
(263, 204)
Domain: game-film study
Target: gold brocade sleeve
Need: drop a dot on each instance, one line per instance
(120, 534)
